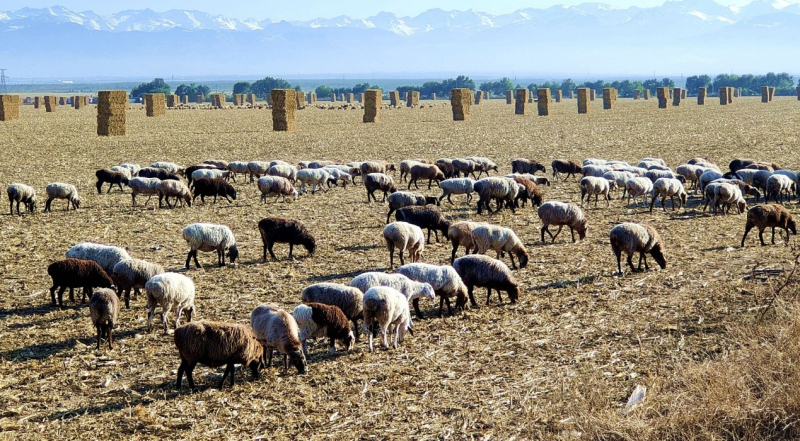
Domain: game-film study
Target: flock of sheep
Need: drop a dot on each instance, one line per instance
(381, 301)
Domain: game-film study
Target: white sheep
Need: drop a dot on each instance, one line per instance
(591, 185)
(283, 170)
(238, 167)
(619, 178)
(791, 175)
(105, 255)
(413, 291)
(457, 186)
(21, 193)
(444, 280)
(497, 188)
(257, 169)
(388, 309)
(315, 177)
(501, 240)
(596, 171)
(171, 167)
(169, 290)
(276, 185)
(593, 161)
(337, 175)
(60, 190)
(638, 186)
(211, 173)
(637, 238)
(276, 329)
(405, 168)
(169, 188)
(145, 186)
(124, 170)
(562, 213)
(134, 168)
(668, 187)
(728, 194)
(486, 164)
(777, 185)
(210, 237)
(691, 172)
(404, 236)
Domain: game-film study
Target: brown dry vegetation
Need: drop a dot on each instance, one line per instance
(561, 363)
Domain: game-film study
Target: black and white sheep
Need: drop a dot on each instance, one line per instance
(486, 164)
(76, 273)
(483, 271)
(501, 240)
(318, 320)
(528, 190)
(169, 290)
(460, 234)
(637, 238)
(562, 213)
(210, 237)
(171, 167)
(413, 291)
(276, 185)
(210, 173)
(778, 185)
(378, 181)
(104, 310)
(444, 280)
(60, 190)
(426, 217)
(769, 216)
(387, 309)
(400, 199)
(110, 177)
(276, 329)
(212, 187)
(159, 173)
(21, 193)
(133, 274)
(349, 299)
(404, 236)
(279, 230)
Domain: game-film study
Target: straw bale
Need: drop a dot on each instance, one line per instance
(485, 95)
(433, 97)
(37, 101)
(394, 98)
(62, 101)
(111, 107)
(592, 94)
(731, 94)
(683, 94)
(723, 95)
(333, 97)
(350, 98)
(50, 103)
(771, 93)
(412, 99)
(185, 99)
(509, 96)
(559, 95)
(284, 106)
(372, 100)
(663, 95)
(584, 95)
(572, 94)
(313, 98)
(405, 96)
(238, 99)
(461, 101)
(647, 94)
(9, 107)
(544, 101)
(677, 96)
(521, 104)
(478, 96)
(173, 100)
(301, 99)
(361, 97)
(155, 104)
(637, 94)
(798, 93)
(701, 96)
(200, 98)
(251, 98)
(609, 98)
(764, 94)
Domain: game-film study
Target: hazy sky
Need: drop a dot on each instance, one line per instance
(308, 9)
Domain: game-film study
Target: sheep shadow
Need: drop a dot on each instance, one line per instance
(41, 351)
(27, 311)
(358, 248)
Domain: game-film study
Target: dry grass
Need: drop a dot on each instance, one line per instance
(559, 364)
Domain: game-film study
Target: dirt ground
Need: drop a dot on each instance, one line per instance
(578, 335)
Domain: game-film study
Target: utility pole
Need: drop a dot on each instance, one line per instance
(3, 87)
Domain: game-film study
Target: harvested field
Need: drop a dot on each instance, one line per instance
(559, 364)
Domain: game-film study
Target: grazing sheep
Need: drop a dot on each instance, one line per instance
(456, 186)
(638, 186)
(318, 320)
(529, 190)
(144, 186)
(315, 177)
(654, 175)
(762, 166)
(668, 187)
(76, 273)
(563, 166)
(134, 168)
(258, 169)
(791, 175)
(521, 165)
(562, 213)
(499, 189)
(619, 178)
(400, 199)
(347, 298)
(319, 164)
(769, 216)
(727, 194)
(337, 175)
(466, 167)
(21, 193)
(369, 167)
(591, 185)
(706, 178)
(738, 164)
(778, 185)
(691, 172)
(502, 240)
(760, 178)
(280, 187)
(637, 238)
(486, 164)
(210, 173)
(212, 187)
(483, 271)
(413, 291)
(105, 255)
(447, 167)
(60, 190)
(222, 165)
(444, 280)
(278, 230)
(169, 290)
(210, 237)
(404, 237)
(652, 160)
(378, 181)
(177, 189)
(385, 307)
(171, 167)
(596, 171)
(238, 167)
(405, 167)
(215, 344)
(103, 310)
(110, 177)
(276, 329)
(193, 168)
(460, 233)
(427, 217)
(159, 173)
(425, 171)
(133, 274)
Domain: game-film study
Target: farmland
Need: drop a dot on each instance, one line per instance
(559, 363)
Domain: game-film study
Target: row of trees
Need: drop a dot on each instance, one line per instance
(750, 84)
(158, 85)
(325, 91)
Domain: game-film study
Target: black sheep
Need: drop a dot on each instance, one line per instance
(278, 230)
(111, 177)
(425, 216)
(212, 187)
(568, 167)
(76, 273)
(160, 173)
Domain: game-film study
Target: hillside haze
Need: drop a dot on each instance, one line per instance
(686, 37)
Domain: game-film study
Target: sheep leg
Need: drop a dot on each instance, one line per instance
(453, 255)
(355, 328)
(470, 289)
(184, 365)
(109, 333)
(61, 296)
(384, 337)
(178, 316)
(557, 233)
(331, 346)
(228, 371)
(391, 210)
(291, 249)
(402, 261)
(513, 265)
(489, 294)
(630, 263)
(272, 253)
(164, 319)
(617, 252)
(11, 206)
(269, 361)
(416, 309)
(53, 294)
(747, 229)
(384, 197)
(99, 335)
(47, 204)
(773, 235)
(151, 311)
(760, 236)
(435, 235)
(672, 199)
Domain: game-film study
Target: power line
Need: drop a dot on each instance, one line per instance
(3, 87)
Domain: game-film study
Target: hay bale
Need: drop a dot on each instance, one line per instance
(394, 98)
(78, 102)
(333, 97)
(771, 93)
(764, 94)
(461, 101)
(373, 100)
(701, 96)
(284, 106)
(350, 98)
(677, 96)
(663, 95)
(584, 95)
(592, 94)
(731, 94)
(301, 99)
(509, 96)
(405, 96)
(238, 99)
(798, 93)
(544, 101)
(478, 96)
(313, 98)
(609, 98)
(361, 98)
(433, 97)
(173, 100)
(412, 99)
(485, 95)
(50, 103)
(572, 94)
(200, 98)
(251, 99)
(637, 94)
(683, 94)
(647, 94)
(9, 107)
(185, 99)
(37, 101)
(559, 96)
(111, 107)
(723, 95)
(521, 104)
(155, 104)
(62, 101)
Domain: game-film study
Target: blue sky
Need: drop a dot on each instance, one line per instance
(308, 9)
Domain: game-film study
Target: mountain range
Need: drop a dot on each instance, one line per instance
(679, 37)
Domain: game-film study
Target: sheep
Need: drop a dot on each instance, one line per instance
(591, 185)
(791, 175)
(222, 165)
(405, 167)
(400, 199)
(316, 177)
(347, 298)
(486, 164)
(444, 280)
(777, 185)
(596, 171)
(318, 320)
(638, 186)
(257, 169)
(212, 187)
(103, 310)
(134, 168)
(562, 213)
(76, 273)
(238, 167)
(521, 165)
(502, 240)
(529, 190)
(654, 160)
(425, 171)
(210, 237)
(563, 166)
(413, 291)
(447, 167)
(319, 164)
(60, 190)
(637, 238)
(281, 187)
(177, 189)
(133, 274)
(276, 329)
(160, 173)
(210, 173)
(466, 167)
(728, 194)
(385, 307)
(667, 187)
(766, 216)
(337, 175)
(456, 186)
(145, 186)
(369, 167)
(500, 189)
(170, 167)
(691, 172)
(169, 290)
(483, 271)
(105, 255)
(404, 237)
(760, 178)
(215, 344)
(378, 181)
(112, 178)
(655, 175)
(619, 178)
(278, 230)
(460, 233)
(594, 161)
(285, 171)
(193, 168)
(763, 166)
(706, 178)
(21, 193)
(427, 217)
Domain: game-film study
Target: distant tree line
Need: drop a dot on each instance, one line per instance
(159, 86)
(326, 91)
(750, 84)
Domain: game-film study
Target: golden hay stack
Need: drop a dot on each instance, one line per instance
(609, 98)
(592, 94)
(677, 96)
(584, 95)
(637, 94)
(478, 96)
(284, 107)
(350, 98)
(798, 93)
(173, 100)
(251, 98)
(544, 101)
(200, 98)
(313, 98)
(361, 97)
(461, 102)
(663, 96)
(701, 96)
(433, 97)
(683, 94)
(559, 95)
(301, 99)
(37, 101)
(509, 96)
(372, 100)
(111, 107)
(764, 94)
(647, 94)
(771, 93)
(50, 103)
(155, 104)
(412, 99)
(394, 98)
(333, 97)
(9, 107)
(62, 101)
(724, 99)
(521, 104)
(238, 99)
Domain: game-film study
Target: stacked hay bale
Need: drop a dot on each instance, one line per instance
(647, 94)
(361, 97)
(412, 99)
(544, 101)
(701, 96)
(677, 95)
(314, 98)
(683, 94)
(173, 100)
(238, 99)
(50, 103)
(592, 94)
(521, 105)
(373, 100)
(583, 99)
(394, 98)
(251, 99)
(433, 97)
(723, 95)
(509, 96)
(9, 107)
(636, 94)
(478, 96)
(350, 98)
(301, 99)
(111, 106)
(333, 97)
(663, 96)
(185, 99)
(771, 93)
(405, 96)
(731, 93)
(284, 106)
(79, 102)
(559, 95)
(154, 104)
(485, 95)
(609, 97)
(200, 98)
(764, 94)
(461, 101)
(798, 93)
(572, 94)
(37, 101)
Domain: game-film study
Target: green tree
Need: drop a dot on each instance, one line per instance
(263, 87)
(568, 85)
(192, 90)
(156, 86)
(241, 87)
(695, 82)
(323, 91)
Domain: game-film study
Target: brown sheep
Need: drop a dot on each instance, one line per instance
(425, 171)
(76, 273)
(563, 166)
(766, 216)
(103, 310)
